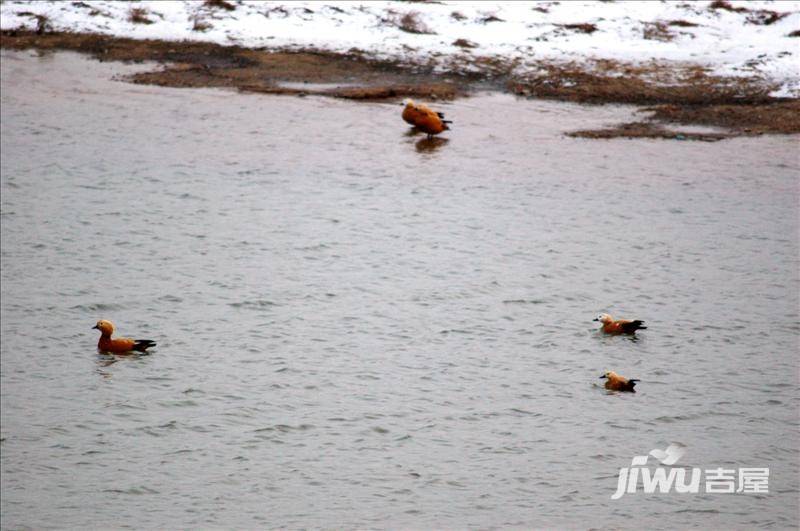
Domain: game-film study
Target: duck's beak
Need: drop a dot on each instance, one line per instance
(604, 376)
(595, 319)
(95, 327)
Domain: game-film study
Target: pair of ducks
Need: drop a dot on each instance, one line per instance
(614, 381)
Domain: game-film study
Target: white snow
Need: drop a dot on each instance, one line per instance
(727, 42)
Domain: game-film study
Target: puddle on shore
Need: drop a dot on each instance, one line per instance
(316, 87)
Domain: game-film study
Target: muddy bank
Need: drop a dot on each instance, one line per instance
(781, 117)
(647, 130)
(200, 64)
(675, 94)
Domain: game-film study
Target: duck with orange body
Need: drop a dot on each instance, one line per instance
(424, 118)
(615, 382)
(120, 345)
(620, 326)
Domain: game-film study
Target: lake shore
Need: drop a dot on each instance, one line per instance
(739, 106)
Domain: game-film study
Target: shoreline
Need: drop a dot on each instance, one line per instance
(673, 94)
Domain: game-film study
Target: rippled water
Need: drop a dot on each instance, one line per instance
(359, 328)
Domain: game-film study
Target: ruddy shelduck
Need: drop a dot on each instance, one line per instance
(120, 345)
(424, 118)
(615, 382)
(620, 326)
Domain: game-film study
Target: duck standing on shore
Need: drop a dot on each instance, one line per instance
(120, 345)
(424, 118)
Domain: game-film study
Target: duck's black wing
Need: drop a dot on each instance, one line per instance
(143, 344)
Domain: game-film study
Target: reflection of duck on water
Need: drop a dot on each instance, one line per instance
(430, 144)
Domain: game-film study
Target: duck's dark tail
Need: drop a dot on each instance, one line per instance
(633, 326)
(143, 344)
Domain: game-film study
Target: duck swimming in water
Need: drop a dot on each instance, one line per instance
(119, 345)
(620, 326)
(615, 382)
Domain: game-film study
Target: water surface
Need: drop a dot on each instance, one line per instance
(358, 328)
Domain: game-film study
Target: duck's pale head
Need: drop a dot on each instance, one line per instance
(106, 327)
(604, 318)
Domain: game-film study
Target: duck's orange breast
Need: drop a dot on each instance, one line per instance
(616, 384)
(431, 123)
(118, 346)
(410, 115)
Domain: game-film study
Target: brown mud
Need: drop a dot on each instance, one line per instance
(647, 130)
(674, 94)
(200, 64)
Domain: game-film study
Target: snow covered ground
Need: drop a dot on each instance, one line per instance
(734, 38)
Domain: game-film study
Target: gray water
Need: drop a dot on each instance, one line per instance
(360, 329)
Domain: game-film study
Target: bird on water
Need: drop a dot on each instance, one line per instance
(615, 382)
(424, 118)
(120, 345)
(620, 326)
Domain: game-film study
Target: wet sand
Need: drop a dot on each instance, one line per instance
(742, 106)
